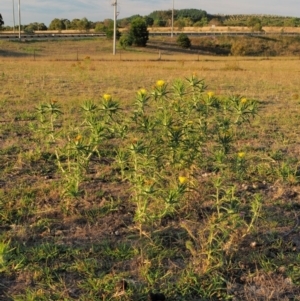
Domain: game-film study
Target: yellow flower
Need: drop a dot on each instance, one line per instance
(160, 83)
(107, 96)
(142, 92)
(241, 155)
(78, 138)
(243, 100)
(210, 94)
(182, 180)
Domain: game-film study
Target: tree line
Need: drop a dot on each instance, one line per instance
(55, 24)
(162, 18)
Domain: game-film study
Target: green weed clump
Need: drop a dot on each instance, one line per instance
(176, 153)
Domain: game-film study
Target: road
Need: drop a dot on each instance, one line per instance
(41, 36)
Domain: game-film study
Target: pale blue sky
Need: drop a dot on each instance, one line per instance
(44, 11)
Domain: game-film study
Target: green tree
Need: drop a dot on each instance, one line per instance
(291, 22)
(202, 22)
(254, 23)
(193, 14)
(67, 23)
(123, 22)
(161, 17)
(35, 26)
(149, 21)
(159, 23)
(74, 24)
(29, 29)
(1, 21)
(183, 41)
(57, 24)
(41, 26)
(180, 24)
(108, 23)
(83, 24)
(100, 27)
(138, 32)
(107, 27)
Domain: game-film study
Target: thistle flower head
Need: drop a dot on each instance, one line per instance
(160, 83)
(142, 92)
(182, 179)
(210, 94)
(107, 97)
(241, 155)
(78, 138)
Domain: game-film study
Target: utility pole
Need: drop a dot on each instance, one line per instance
(13, 3)
(172, 30)
(115, 27)
(19, 8)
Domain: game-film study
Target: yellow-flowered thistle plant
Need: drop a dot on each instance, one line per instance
(107, 97)
(142, 92)
(241, 155)
(160, 89)
(160, 83)
(241, 164)
(209, 100)
(167, 145)
(109, 105)
(47, 116)
(141, 100)
(210, 94)
(244, 108)
(243, 100)
(78, 138)
(196, 84)
(182, 179)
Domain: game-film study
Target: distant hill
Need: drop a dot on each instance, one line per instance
(198, 17)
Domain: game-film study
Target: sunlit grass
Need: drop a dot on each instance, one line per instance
(65, 247)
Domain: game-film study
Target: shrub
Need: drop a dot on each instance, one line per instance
(183, 41)
(125, 40)
(138, 32)
(110, 33)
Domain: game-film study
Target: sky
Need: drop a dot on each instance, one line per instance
(43, 11)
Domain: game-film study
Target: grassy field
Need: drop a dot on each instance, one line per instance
(170, 173)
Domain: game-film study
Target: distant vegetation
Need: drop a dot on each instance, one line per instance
(198, 18)
(248, 45)
(162, 18)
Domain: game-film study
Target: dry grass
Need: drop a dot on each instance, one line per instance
(265, 267)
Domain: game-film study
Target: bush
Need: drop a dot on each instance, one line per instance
(138, 32)
(29, 30)
(183, 41)
(110, 33)
(125, 40)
